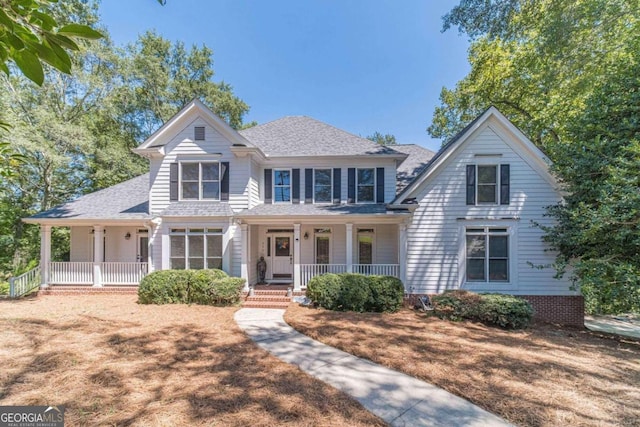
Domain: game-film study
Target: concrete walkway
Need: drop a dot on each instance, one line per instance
(397, 398)
(629, 327)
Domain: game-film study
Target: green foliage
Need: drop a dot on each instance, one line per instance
(4, 288)
(505, 311)
(356, 292)
(205, 287)
(386, 139)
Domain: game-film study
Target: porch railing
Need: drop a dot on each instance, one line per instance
(111, 273)
(308, 271)
(24, 283)
(377, 269)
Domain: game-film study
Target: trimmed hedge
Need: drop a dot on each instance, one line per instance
(206, 287)
(356, 292)
(506, 311)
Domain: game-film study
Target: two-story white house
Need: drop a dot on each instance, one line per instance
(310, 199)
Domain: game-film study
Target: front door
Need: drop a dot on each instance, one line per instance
(282, 259)
(143, 248)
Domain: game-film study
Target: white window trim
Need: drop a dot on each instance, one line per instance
(330, 189)
(498, 183)
(273, 186)
(315, 247)
(200, 182)
(186, 233)
(373, 244)
(375, 179)
(512, 231)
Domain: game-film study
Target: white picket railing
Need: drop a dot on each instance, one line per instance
(24, 283)
(111, 273)
(123, 273)
(70, 273)
(377, 269)
(308, 271)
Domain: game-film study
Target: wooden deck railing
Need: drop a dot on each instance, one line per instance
(111, 273)
(24, 283)
(377, 269)
(309, 271)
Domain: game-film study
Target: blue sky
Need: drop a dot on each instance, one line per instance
(360, 65)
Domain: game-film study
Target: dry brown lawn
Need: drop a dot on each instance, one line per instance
(111, 361)
(543, 376)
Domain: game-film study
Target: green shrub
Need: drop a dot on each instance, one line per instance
(506, 311)
(206, 287)
(4, 288)
(356, 292)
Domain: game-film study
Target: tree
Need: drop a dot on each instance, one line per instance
(386, 139)
(566, 73)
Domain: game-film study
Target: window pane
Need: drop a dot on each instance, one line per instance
(365, 176)
(323, 176)
(196, 263)
(214, 246)
(211, 190)
(190, 190)
(283, 246)
(475, 269)
(177, 246)
(498, 270)
(323, 194)
(322, 250)
(190, 171)
(196, 246)
(282, 194)
(214, 263)
(210, 171)
(486, 193)
(498, 247)
(281, 177)
(365, 194)
(365, 250)
(177, 264)
(487, 175)
(475, 246)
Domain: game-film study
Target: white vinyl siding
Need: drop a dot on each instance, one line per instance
(435, 257)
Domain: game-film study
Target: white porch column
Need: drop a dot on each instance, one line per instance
(349, 246)
(244, 261)
(297, 284)
(98, 254)
(45, 254)
(402, 253)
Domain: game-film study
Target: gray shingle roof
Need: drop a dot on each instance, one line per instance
(198, 209)
(303, 136)
(127, 200)
(313, 210)
(418, 158)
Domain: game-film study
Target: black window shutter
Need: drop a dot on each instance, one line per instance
(295, 181)
(471, 184)
(267, 186)
(337, 185)
(224, 185)
(504, 185)
(173, 181)
(379, 185)
(351, 185)
(308, 185)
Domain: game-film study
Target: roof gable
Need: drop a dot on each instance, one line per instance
(509, 133)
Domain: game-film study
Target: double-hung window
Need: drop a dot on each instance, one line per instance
(322, 185)
(488, 184)
(487, 254)
(282, 185)
(200, 180)
(195, 248)
(323, 245)
(366, 183)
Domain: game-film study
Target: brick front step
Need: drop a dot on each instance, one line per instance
(266, 304)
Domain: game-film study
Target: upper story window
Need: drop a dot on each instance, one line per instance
(200, 180)
(282, 185)
(365, 185)
(487, 254)
(198, 132)
(322, 185)
(488, 184)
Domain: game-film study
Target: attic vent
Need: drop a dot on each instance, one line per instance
(199, 133)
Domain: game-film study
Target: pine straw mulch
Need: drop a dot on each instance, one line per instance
(111, 361)
(543, 376)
